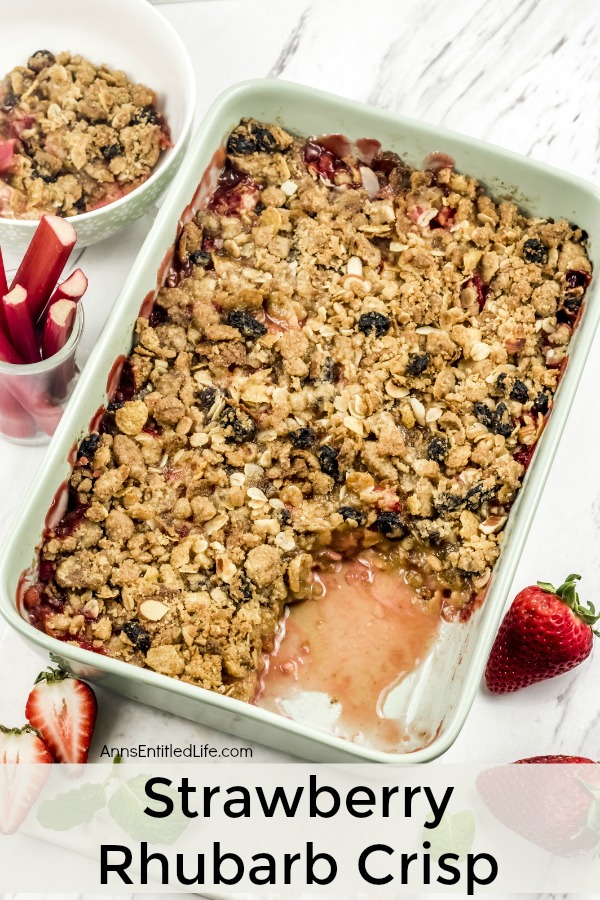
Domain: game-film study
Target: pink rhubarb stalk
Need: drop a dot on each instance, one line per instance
(58, 327)
(44, 261)
(3, 291)
(15, 421)
(7, 154)
(3, 281)
(72, 288)
(8, 354)
(20, 326)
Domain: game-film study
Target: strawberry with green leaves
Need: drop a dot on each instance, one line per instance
(63, 710)
(546, 632)
(23, 772)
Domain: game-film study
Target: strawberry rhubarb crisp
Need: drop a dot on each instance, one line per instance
(73, 136)
(347, 353)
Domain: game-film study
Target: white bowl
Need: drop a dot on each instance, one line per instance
(125, 34)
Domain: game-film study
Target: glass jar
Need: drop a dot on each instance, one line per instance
(33, 397)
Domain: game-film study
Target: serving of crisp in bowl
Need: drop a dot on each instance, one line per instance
(296, 507)
(90, 127)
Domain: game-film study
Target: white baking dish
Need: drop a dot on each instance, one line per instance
(434, 702)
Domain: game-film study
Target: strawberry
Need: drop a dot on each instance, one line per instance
(544, 633)
(559, 810)
(63, 709)
(20, 785)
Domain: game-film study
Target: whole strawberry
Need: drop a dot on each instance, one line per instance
(63, 710)
(557, 809)
(546, 632)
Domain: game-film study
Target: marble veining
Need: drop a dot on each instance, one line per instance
(524, 75)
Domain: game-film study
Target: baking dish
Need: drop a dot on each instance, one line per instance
(434, 701)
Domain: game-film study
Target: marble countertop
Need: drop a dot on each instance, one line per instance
(519, 73)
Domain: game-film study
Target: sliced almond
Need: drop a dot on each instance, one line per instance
(289, 188)
(153, 610)
(359, 407)
(493, 524)
(231, 248)
(427, 329)
(202, 376)
(397, 391)
(369, 180)
(354, 266)
(354, 425)
(418, 410)
(426, 216)
(482, 579)
(433, 414)
(265, 459)
(189, 632)
(354, 283)
(285, 541)
(267, 435)
(216, 523)
(470, 260)
(480, 351)
(256, 494)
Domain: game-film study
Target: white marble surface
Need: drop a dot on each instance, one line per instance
(520, 73)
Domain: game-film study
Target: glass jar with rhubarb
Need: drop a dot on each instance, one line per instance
(41, 323)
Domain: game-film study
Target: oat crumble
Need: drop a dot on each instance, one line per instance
(73, 136)
(347, 353)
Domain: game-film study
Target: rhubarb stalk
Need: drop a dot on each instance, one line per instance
(37, 403)
(3, 281)
(15, 421)
(20, 326)
(58, 327)
(72, 288)
(3, 291)
(7, 154)
(44, 261)
(8, 354)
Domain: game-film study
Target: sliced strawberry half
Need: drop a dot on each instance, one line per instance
(20, 784)
(63, 710)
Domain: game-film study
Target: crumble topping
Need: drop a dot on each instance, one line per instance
(347, 353)
(73, 136)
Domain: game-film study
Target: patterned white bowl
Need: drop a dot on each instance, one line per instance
(125, 34)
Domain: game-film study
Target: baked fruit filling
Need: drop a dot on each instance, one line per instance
(73, 136)
(347, 354)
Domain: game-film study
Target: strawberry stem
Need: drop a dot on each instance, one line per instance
(26, 729)
(568, 594)
(52, 676)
